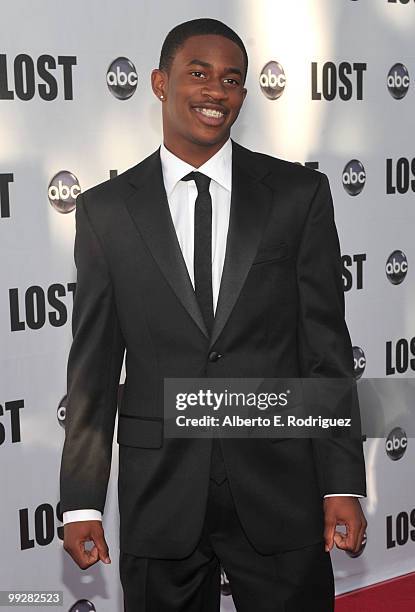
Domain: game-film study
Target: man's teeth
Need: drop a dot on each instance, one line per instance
(210, 112)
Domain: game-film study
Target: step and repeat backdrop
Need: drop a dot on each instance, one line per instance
(330, 85)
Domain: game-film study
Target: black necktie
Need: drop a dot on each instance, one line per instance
(202, 258)
(202, 265)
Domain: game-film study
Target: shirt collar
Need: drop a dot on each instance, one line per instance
(218, 167)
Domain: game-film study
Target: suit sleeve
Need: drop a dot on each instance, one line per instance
(93, 373)
(323, 340)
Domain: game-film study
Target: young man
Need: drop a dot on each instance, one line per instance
(205, 260)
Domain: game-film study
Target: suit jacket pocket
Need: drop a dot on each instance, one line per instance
(274, 440)
(275, 253)
(141, 432)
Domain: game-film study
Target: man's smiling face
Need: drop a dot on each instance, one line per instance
(203, 93)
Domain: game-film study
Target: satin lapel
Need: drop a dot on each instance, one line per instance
(149, 209)
(250, 205)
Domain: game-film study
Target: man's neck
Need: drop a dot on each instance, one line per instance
(195, 156)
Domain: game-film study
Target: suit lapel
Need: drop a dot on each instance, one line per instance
(250, 205)
(149, 209)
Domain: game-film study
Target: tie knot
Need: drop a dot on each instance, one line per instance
(202, 181)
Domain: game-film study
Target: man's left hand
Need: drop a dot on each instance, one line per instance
(346, 511)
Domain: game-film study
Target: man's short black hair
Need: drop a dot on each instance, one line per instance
(176, 38)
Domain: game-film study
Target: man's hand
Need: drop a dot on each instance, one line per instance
(75, 536)
(344, 511)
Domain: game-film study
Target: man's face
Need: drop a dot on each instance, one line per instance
(203, 92)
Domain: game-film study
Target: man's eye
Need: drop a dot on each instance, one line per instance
(232, 81)
(197, 73)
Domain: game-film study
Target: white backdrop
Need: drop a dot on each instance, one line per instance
(57, 114)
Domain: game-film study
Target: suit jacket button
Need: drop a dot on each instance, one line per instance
(214, 356)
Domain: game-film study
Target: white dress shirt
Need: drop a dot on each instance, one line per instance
(181, 197)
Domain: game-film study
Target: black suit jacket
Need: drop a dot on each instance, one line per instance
(280, 313)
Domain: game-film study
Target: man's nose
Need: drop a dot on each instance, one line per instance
(215, 90)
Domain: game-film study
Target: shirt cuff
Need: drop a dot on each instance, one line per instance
(343, 495)
(81, 515)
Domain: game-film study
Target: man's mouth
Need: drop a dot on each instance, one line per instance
(210, 112)
(210, 116)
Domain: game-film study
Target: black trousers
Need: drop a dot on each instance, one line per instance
(295, 581)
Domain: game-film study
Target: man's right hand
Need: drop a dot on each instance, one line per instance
(74, 538)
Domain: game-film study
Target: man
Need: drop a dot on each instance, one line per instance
(207, 260)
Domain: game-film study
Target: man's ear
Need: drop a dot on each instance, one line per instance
(159, 81)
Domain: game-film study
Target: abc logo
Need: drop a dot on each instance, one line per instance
(396, 267)
(83, 605)
(61, 412)
(354, 177)
(398, 81)
(122, 78)
(63, 190)
(354, 555)
(359, 361)
(272, 80)
(396, 444)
